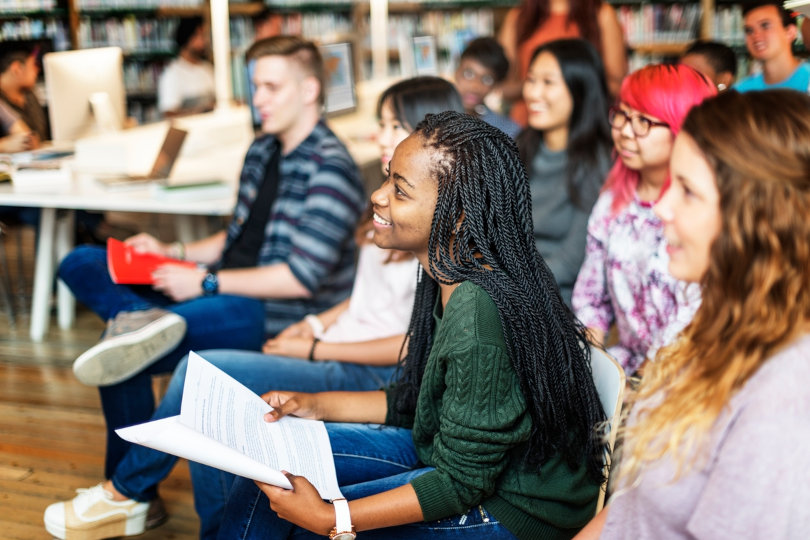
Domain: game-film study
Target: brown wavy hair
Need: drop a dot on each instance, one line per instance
(583, 13)
(756, 290)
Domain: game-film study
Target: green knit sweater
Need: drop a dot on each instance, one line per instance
(471, 424)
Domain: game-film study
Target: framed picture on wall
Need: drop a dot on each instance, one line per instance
(341, 95)
(425, 57)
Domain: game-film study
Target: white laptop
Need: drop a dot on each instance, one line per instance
(164, 162)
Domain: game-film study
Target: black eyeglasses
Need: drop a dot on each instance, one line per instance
(640, 124)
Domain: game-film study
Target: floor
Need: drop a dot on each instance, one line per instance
(51, 426)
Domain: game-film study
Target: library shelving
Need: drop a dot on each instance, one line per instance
(36, 19)
(452, 23)
(661, 30)
(144, 29)
(655, 31)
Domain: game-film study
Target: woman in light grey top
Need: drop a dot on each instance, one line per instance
(718, 439)
(566, 150)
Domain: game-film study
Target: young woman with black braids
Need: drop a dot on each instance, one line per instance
(489, 432)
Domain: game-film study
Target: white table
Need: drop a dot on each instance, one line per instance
(56, 235)
(213, 150)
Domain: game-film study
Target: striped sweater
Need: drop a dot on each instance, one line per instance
(312, 221)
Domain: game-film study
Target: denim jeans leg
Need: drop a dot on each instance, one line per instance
(476, 523)
(248, 517)
(141, 469)
(84, 270)
(216, 321)
(261, 373)
(363, 453)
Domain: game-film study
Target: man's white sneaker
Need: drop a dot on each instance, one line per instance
(93, 515)
(132, 341)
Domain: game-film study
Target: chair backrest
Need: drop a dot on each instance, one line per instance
(608, 377)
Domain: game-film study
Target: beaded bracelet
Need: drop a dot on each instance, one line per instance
(180, 250)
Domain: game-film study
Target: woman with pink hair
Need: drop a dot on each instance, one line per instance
(624, 279)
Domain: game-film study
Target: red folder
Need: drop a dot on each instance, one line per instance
(130, 267)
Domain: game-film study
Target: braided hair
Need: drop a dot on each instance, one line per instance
(482, 232)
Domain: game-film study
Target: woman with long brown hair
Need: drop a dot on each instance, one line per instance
(718, 436)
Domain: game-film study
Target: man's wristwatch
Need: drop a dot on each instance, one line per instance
(210, 284)
(343, 529)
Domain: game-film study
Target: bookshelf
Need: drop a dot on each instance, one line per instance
(720, 20)
(36, 19)
(655, 29)
(451, 22)
(660, 30)
(144, 29)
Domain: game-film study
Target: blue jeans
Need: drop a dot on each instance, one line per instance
(369, 459)
(213, 322)
(141, 469)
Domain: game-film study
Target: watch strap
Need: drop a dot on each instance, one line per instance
(210, 284)
(343, 520)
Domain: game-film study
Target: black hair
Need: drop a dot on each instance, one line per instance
(787, 17)
(413, 98)
(14, 51)
(589, 141)
(720, 56)
(489, 53)
(185, 30)
(482, 232)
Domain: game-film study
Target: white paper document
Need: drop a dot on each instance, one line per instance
(221, 424)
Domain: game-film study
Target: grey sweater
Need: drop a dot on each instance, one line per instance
(750, 480)
(560, 227)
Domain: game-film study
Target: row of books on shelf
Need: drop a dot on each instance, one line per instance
(26, 5)
(241, 31)
(142, 77)
(452, 30)
(136, 4)
(53, 29)
(659, 23)
(321, 26)
(728, 25)
(130, 33)
(143, 112)
(150, 34)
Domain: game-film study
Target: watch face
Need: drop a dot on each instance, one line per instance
(344, 536)
(210, 284)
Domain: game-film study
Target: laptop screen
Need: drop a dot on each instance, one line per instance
(167, 156)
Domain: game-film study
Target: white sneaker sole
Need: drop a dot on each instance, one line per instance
(117, 359)
(131, 525)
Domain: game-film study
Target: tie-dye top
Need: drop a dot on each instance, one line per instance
(624, 280)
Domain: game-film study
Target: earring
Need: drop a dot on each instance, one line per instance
(721, 87)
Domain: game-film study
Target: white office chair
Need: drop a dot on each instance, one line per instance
(608, 376)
